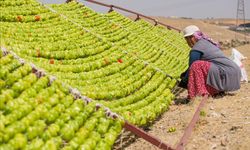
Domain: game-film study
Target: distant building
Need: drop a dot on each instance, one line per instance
(241, 27)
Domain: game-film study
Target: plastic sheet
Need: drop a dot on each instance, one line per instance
(237, 57)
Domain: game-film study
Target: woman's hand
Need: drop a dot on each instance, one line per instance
(183, 74)
(183, 84)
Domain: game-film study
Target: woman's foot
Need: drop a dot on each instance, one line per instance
(182, 100)
(219, 95)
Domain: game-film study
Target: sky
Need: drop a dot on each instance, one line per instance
(174, 8)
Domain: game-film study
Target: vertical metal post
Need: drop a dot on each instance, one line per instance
(191, 125)
(241, 16)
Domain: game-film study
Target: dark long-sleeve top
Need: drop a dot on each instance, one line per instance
(193, 56)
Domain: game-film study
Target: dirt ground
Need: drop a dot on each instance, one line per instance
(223, 125)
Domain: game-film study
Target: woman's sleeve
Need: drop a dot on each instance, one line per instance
(193, 56)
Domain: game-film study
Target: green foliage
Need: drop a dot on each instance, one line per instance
(111, 59)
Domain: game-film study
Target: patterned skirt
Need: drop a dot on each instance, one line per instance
(197, 80)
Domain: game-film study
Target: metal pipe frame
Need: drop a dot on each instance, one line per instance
(139, 132)
(133, 12)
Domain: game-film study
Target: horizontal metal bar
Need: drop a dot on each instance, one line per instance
(99, 3)
(153, 140)
(133, 12)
